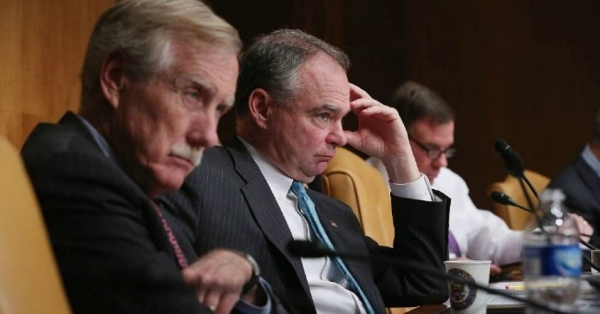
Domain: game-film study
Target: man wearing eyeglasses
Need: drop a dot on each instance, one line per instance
(474, 234)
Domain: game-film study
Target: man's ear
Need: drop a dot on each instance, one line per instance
(259, 107)
(113, 78)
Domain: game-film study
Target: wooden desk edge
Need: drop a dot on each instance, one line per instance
(430, 309)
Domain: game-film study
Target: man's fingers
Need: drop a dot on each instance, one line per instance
(357, 92)
(200, 294)
(495, 269)
(212, 299)
(227, 303)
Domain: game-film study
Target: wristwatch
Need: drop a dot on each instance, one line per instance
(255, 273)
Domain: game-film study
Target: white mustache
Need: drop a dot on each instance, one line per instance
(194, 155)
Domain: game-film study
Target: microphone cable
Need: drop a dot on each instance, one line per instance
(308, 249)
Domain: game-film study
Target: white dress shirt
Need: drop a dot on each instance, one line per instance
(328, 287)
(480, 234)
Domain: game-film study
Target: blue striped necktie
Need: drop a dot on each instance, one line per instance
(307, 208)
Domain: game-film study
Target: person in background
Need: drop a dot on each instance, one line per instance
(474, 233)
(156, 78)
(292, 95)
(580, 181)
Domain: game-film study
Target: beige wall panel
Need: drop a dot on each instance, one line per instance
(43, 43)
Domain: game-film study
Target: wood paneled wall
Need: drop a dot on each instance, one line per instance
(524, 70)
(43, 43)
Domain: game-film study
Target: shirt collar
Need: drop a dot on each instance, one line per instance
(591, 159)
(102, 143)
(278, 182)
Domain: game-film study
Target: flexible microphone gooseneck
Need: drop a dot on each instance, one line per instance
(302, 248)
(515, 166)
(504, 199)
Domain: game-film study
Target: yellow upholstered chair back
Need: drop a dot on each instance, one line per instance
(29, 278)
(517, 218)
(349, 179)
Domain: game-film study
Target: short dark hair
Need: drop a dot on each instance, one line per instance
(272, 63)
(415, 102)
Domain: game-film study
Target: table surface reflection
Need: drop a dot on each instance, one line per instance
(587, 302)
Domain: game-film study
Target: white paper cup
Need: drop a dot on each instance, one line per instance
(463, 298)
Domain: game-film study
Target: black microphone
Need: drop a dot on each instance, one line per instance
(303, 248)
(513, 162)
(515, 166)
(504, 199)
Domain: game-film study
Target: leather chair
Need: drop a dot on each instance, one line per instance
(349, 179)
(29, 277)
(516, 218)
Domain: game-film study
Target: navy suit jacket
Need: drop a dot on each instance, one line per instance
(110, 245)
(227, 202)
(581, 185)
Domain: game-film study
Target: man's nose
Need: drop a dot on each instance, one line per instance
(441, 161)
(337, 137)
(204, 131)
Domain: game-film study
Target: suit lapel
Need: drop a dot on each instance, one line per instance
(346, 239)
(264, 207)
(154, 224)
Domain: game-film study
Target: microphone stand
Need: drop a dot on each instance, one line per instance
(530, 186)
(515, 167)
(504, 199)
(524, 190)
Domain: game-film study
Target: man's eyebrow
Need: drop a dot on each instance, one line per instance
(197, 81)
(326, 107)
(207, 87)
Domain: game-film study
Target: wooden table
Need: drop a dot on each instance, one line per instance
(430, 309)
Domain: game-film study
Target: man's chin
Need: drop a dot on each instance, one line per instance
(171, 180)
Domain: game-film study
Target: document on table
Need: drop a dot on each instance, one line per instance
(497, 302)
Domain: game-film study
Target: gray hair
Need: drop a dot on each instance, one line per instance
(143, 31)
(415, 102)
(273, 61)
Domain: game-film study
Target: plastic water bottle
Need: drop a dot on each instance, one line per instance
(551, 256)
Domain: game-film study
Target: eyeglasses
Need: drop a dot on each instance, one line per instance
(435, 152)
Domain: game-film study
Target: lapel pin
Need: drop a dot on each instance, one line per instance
(333, 224)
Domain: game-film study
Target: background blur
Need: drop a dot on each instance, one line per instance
(522, 70)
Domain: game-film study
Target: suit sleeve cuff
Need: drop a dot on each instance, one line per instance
(247, 308)
(419, 189)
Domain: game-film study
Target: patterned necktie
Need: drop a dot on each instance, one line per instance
(307, 208)
(452, 244)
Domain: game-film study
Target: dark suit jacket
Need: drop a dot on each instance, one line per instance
(110, 245)
(227, 202)
(581, 185)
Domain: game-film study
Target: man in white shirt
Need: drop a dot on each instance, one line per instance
(291, 97)
(479, 234)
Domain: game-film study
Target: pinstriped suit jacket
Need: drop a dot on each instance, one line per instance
(111, 248)
(227, 202)
(581, 185)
